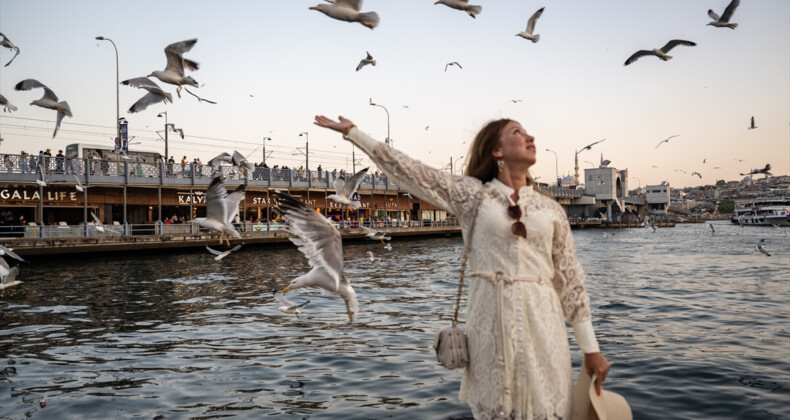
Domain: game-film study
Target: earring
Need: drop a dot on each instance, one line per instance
(501, 165)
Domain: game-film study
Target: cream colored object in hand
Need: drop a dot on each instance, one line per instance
(587, 405)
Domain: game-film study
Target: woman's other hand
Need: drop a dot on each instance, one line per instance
(596, 364)
(342, 127)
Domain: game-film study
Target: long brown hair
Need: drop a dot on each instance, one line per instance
(481, 164)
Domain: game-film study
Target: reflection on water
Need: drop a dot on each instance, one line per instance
(693, 323)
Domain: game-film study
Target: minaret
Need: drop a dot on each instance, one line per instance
(576, 167)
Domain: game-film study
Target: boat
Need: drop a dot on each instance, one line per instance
(763, 212)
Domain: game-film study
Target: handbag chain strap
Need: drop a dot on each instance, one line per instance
(464, 256)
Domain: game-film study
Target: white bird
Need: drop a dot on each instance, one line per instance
(236, 159)
(199, 98)
(752, 126)
(222, 254)
(765, 171)
(760, 248)
(155, 93)
(370, 256)
(174, 70)
(7, 275)
(606, 235)
(79, 186)
(712, 229)
(49, 100)
(666, 140)
(697, 174)
(9, 252)
(457, 250)
(288, 307)
(7, 106)
(41, 179)
(220, 211)
(408, 195)
(344, 190)
(348, 11)
(365, 61)
(454, 63)
(723, 21)
(376, 234)
(5, 42)
(659, 52)
(100, 226)
(173, 128)
(462, 5)
(527, 34)
(321, 244)
(388, 247)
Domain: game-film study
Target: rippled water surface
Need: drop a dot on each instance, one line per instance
(695, 325)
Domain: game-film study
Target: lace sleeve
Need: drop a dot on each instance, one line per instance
(568, 274)
(453, 193)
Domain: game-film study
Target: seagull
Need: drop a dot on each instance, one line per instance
(100, 226)
(155, 93)
(408, 195)
(606, 235)
(10, 252)
(740, 160)
(428, 126)
(174, 70)
(348, 11)
(41, 179)
(376, 234)
(653, 226)
(288, 307)
(752, 126)
(605, 162)
(237, 160)
(370, 256)
(697, 174)
(681, 170)
(589, 146)
(760, 248)
(7, 106)
(388, 247)
(723, 21)
(219, 211)
(345, 189)
(704, 160)
(457, 250)
(527, 34)
(666, 140)
(716, 167)
(742, 220)
(321, 244)
(10, 45)
(174, 129)
(462, 5)
(49, 100)
(8, 275)
(365, 61)
(515, 100)
(659, 52)
(79, 186)
(766, 171)
(712, 229)
(454, 63)
(222, 254)
(198, 97)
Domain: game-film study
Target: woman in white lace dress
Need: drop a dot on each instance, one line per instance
(525, 277)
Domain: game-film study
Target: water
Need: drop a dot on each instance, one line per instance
(696, 326)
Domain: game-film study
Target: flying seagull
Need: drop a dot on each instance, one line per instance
(7, 275)
(766, 171)
(41, 179)
(49, 100)
(222, 254)
(174, 70)
(515, 100)
(462, 5)
(365, 61)
(712, 229)
(7, 106)
(723, 21)
(236, 159)
(100, 226)
(666, 140)
(760, 248)
(288, 307)
(79, 186)
(697, 174)
(198, 97)
(388, 247)
(376, 234)
(10, 252)
(320, 242)
(344, 190)
(752, 126)
(681, 170)
(219, 211)
(348, 11)
(589, 146)
(155, 93)
(5, 42)
(454, 63)
(173, 128)
(659, 52)
(371, 256)
(527, 34)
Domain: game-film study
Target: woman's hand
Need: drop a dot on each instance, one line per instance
(343, 126)
(596, 364)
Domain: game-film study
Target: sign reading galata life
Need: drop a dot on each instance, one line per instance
(25, 195)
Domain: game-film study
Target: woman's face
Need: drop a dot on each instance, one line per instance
(516, 146)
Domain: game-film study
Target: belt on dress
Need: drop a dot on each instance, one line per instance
(499, 279)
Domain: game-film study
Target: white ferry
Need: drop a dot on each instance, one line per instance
(764, 212)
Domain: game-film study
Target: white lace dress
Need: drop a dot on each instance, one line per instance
(520, 290)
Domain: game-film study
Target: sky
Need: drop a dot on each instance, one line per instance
(271, 66)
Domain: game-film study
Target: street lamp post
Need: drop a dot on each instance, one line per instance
(556, 165)
(264, 148)
(306, 151)
(167, 155)
(456, 163)
(117, 84)
(388, 141)
(592, 165)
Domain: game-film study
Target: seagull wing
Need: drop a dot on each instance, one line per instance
(224, 157)
(353, 183)
(214, 251)
(150, 98)
(3, 267)
(675, 42)
(457, 64)
(368, 230)
(142, 83)
(281, 297)
(316, 238)
(725, 17)
(12, 58)
(635, 56)
(533, 19)
(354, 4)
(216, 208)
(713, 15)
(339, 184)
(232, 202)
(175, 52)
(14, 271)
(235, 248)
(29, 84)
(10, 253)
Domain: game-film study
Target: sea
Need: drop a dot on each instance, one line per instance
(695, 324)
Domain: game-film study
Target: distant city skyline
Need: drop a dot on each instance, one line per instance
(272, 66)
